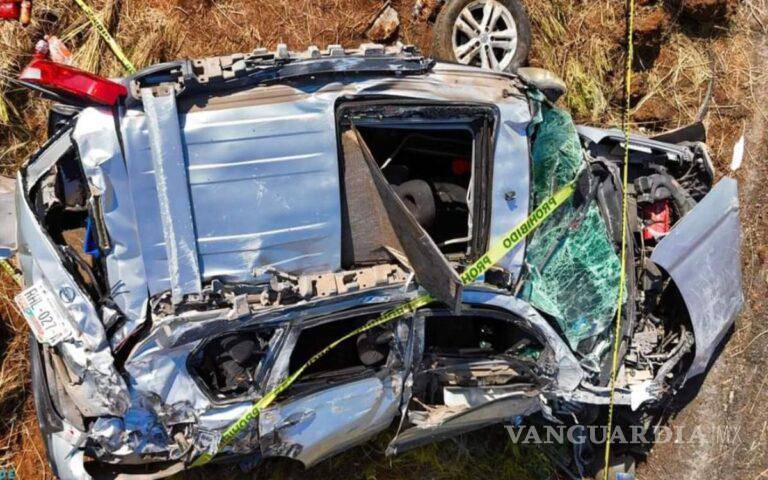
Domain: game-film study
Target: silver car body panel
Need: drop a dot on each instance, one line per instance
(104, 167)
(98, 389)
(68, 458)
(263, 189)
(702, 254)
(173, 188)
(7, 217)
(264, 181)
(314, 427)
(505, 408)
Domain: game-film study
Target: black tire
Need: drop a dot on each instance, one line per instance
(418, 197)
(442, 33)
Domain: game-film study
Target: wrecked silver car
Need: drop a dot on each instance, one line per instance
(190, 244)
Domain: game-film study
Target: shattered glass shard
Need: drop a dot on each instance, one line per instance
(573, 269)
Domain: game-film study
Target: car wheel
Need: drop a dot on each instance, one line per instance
(493, 34)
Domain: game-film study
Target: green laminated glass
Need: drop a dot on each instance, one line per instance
(573, 269)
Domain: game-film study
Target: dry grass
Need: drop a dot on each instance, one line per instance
(580, 40)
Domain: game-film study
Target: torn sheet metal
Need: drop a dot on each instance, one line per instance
(158, 371)
(702, 255)
(86, 354)
(67, 459)
(637, 143)
(161, 371)
(104, 167)
(52, 151)
(312, 428)
(172, 188)
(470, 397)
(431, 267)
(486, 414)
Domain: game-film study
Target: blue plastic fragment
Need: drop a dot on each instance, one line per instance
(90, 245)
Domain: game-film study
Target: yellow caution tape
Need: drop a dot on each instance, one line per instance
(12, 272)
(496, 253)
(623, 274)
(499, 249)
(99, 26)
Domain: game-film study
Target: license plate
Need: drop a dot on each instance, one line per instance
(41, 310)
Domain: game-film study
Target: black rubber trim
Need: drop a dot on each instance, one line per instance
(47, 417)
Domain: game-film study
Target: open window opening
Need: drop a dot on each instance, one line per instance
(436, 160)
(361, 355)
(229, 366)
(431, 171)
(470, 360)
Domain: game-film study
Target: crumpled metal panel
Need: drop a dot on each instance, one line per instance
(493, 412)
(314, 427)
(87, 354)
(263, 184)
(104, 167)
(161, 371)
(432, 269)
(702, 254)
(163, 391)
(569, 373)
(172, 193)
(67, 460)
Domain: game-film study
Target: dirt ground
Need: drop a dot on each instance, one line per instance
(681, 45)
(732, 400)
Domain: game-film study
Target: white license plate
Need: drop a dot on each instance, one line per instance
(46, 320)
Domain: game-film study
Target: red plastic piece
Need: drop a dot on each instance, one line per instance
(658, 218)
(461, 166)
(73, 81)
(10, 10)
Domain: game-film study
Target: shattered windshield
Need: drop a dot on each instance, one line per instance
(572, 267)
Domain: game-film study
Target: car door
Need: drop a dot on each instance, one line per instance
(484, 404)
(322, 415)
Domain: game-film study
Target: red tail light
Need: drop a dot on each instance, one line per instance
(10, 10)
(71, 81)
